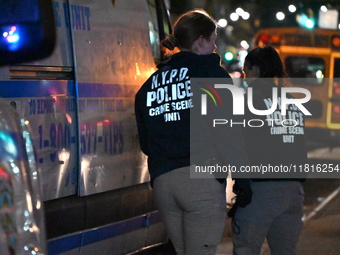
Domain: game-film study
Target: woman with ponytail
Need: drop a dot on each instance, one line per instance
(192, 209)
(274, 142)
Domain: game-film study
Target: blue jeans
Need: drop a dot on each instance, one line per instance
(275, 213)
(192, 209)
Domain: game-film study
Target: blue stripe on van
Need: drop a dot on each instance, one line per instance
(79, 239)
(46, 88)
(64, 244)
(36, 88)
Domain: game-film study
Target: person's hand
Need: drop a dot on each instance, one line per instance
(243, 192)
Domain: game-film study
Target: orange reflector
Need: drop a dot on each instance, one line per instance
(275, 39)
(336, 41)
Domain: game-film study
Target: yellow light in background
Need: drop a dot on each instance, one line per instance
(149, 73)
(137, 69)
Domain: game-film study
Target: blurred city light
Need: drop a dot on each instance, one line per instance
(280, 16)
(323, 8)
(11, 35)
(12, 38)
(304, 21)
(229, 56)
(309, 23)
(242, 55)
(245, 15)
(222, 23)
(287, 15)
(292, 8)
(244, 44)
(239, 11)
(234, 16)
(319, 74)
(328, 18)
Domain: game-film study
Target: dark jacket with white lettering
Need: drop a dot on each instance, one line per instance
(274, 140)
(163, 105)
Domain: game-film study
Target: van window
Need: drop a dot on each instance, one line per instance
(311, 70)
(159, 27)
(154, 31)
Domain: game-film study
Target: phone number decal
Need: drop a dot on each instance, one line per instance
(95, 137)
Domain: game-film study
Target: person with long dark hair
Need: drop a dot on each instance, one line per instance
(276, 210)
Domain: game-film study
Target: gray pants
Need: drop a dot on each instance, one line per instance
(275, 213)
(193, 211)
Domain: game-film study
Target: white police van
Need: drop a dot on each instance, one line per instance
(78, 103)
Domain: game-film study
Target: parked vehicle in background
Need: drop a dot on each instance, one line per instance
(79, 103)
(312, 60)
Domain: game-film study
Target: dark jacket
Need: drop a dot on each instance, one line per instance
(163, 105)
(280, 141)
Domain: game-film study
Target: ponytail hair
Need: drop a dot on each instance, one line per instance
(170, 42)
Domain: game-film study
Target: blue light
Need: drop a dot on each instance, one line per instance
(12, 38)
(306, 22)
(11, 35)
(309, 23)
(229, 56)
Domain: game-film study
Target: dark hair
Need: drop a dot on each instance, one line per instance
(267, 60)
(188, 28)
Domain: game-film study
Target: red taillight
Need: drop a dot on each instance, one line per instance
(336, 108)
(265, 39)
(337, 90)
(4, 175)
